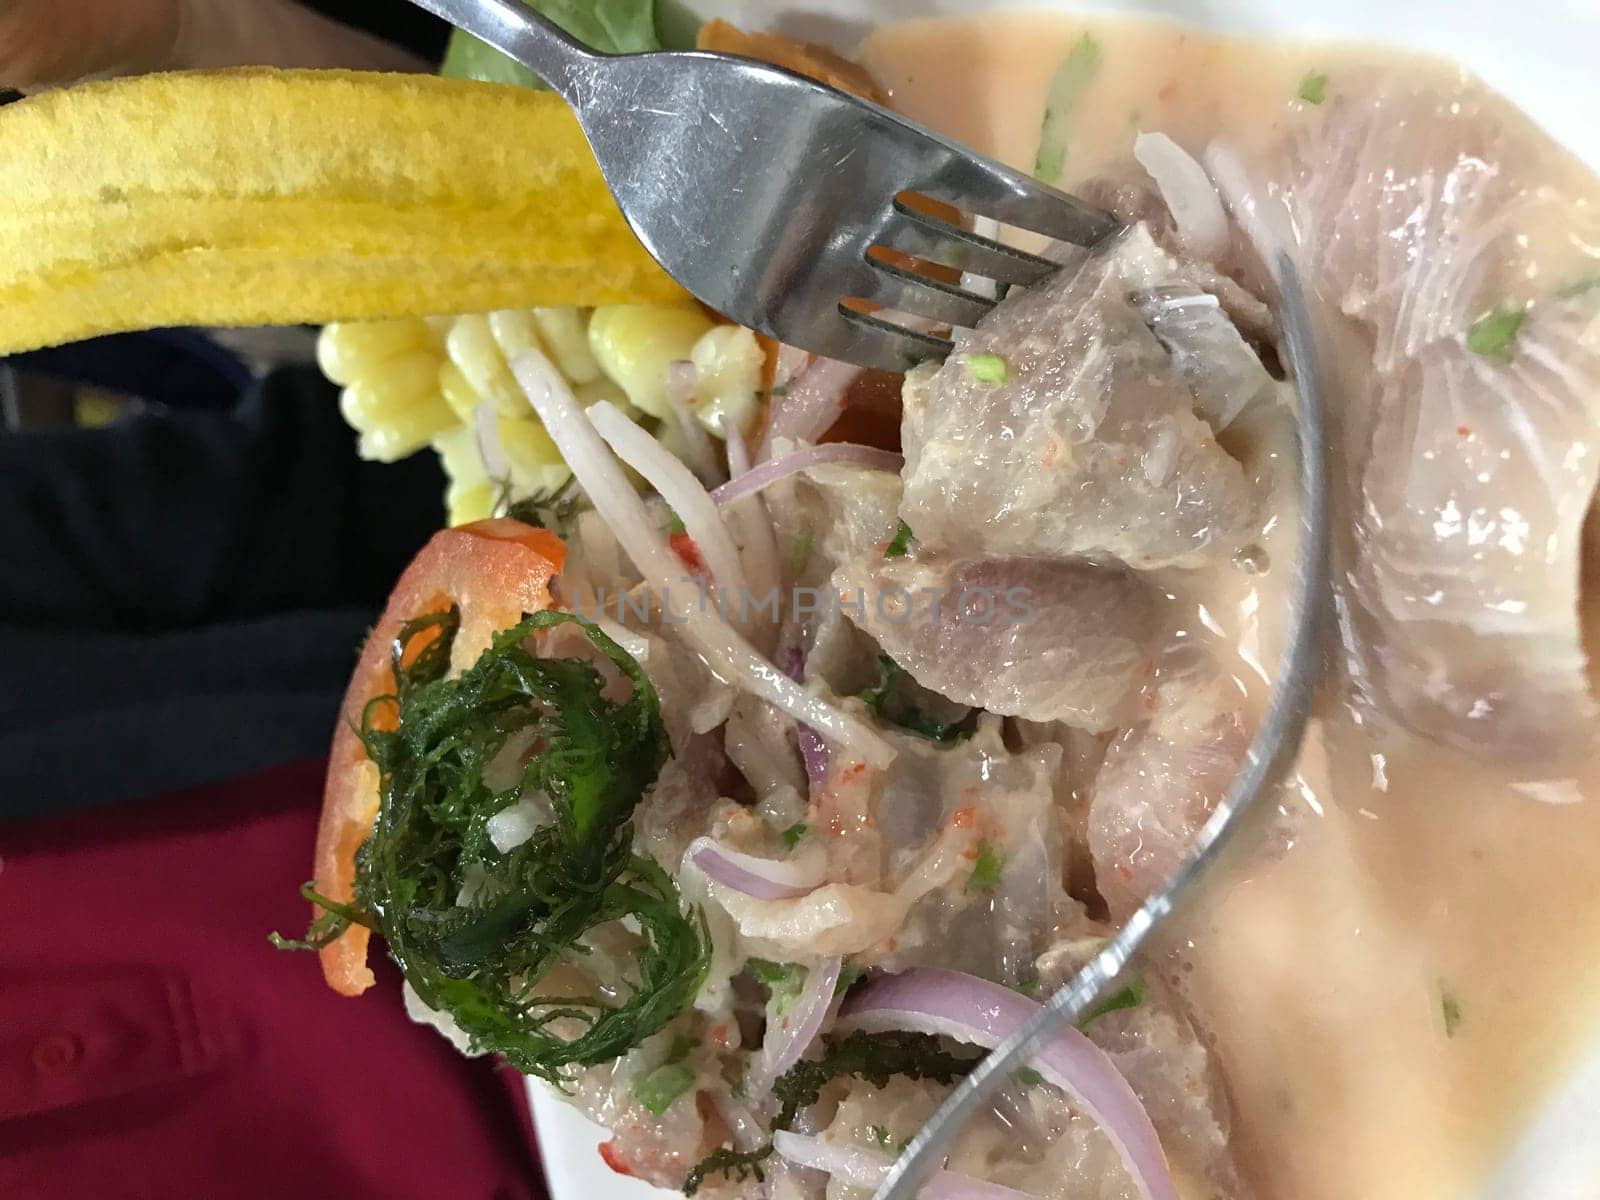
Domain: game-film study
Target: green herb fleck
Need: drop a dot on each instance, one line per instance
(987, 368)
(986, 871)
(552, 510)
(783, 982)
(327, 928)
(884, 700)
(900, 544)
(881, 1136)
(679, 1050)
(735, 1165)
(849, 975)
(1130, 996)
(610, 26)
(676, 525)
(483, 962)
(793, 834)
(873, 1058)
(1028, 1077)
(781, 390)
(1314, 87)
(1071, 80)
(800, 552)
(1494, 332)
(657, 1090)
(1450, 1007)
(1028, 987)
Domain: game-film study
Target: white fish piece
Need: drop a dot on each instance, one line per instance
(1467, 470)
(1046, 639)
(1089, 446)
(1161, 779)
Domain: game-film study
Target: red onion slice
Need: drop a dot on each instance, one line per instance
(974, 1010)
(863, 1168)
(791, 1036)
(811, 403)
(768, 473)
(814, 754)
(763, 878)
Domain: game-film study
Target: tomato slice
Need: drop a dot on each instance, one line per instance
(494, 572)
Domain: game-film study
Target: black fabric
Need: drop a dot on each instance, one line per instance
(404, 24)
(182, 594)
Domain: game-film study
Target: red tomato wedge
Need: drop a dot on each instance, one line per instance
(494, 572)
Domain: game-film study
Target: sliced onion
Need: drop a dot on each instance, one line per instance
(974, 1010)
(728, 654)
(863, 1168)
(811, 403)
(682, 379)
(763, 878)
(791, 360)
(747, 1135)
(1266, 228)
(789, 1038)
(495, 463)
(753, 522)
(813, 750)
(680, 489)
(769, 472)
(1187, 191)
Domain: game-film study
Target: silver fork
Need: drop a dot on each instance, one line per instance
(761, 191)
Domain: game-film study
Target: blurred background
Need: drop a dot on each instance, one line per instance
(191, 553)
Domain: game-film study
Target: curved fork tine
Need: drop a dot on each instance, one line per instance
(895, 287)
(873, 342)
(983, 186)
(928, 237)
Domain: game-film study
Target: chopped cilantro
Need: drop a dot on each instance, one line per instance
(985, 875)
(882, 699)
(1028, 1077)
(793, 834)
(1314, 87)
(676, 525)
(800, 552)
(987, 368)
(657, 1090)
(874, 1058)
(1129, 997)
(781, 390)
(900, 544)
(772, 974)
(881, 1136)
(849, 975)
(679, 1050)
(1072, 79)
(1492, 334)
(1450, 1007)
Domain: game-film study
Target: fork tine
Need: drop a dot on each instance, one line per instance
(980, 185)
(928, 237)
(897, 288)
(873, 342)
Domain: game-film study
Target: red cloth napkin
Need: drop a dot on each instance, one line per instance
(153, 1044)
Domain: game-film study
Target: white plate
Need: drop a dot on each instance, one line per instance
(1540, 53)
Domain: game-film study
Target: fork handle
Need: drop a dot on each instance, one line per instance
(532, 40)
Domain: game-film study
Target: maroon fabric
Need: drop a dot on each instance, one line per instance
(152, 1044)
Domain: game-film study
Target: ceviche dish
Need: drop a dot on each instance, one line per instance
(766, 737)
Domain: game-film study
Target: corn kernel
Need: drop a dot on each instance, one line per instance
(515, 332)
(347, 349)
(536, 464)
(386, 393)
(406, 432)
(634, 343)
(565, 332)
(471, 502)
(472, 348)
(460, 456)
(460, 395)
(728, 363)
